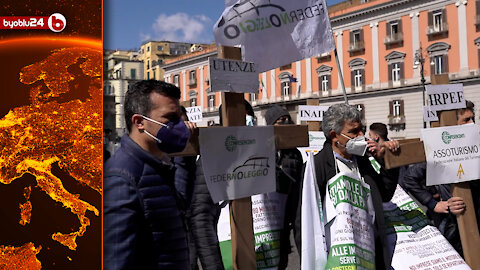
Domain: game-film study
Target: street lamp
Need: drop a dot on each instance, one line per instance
(420, 60)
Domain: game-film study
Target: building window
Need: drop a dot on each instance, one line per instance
(438, 53)
(286, 88)
(193, 102)
(176, 79)
(324, 78)
(160, 48)
(438, 64)
(148, 75)
(396, 108)
(356, 41)
(394, 33)
(361, 109)
(325, 83)
(211, 101)
(358, 78)
(396, 72)
(148, 64)
(148, 48)
(437, 19)
(154, 74)
(133, 74)
(192, 78)
(253, 97)
(437, 22)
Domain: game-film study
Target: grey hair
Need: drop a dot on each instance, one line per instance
(336, 116)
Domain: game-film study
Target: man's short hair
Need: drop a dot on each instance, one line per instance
(138, 101)
(380, 129)
(336, 116)
(469, 106)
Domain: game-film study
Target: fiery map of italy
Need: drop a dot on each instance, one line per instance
(52, 131)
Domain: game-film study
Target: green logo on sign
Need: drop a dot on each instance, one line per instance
(447, 138)
(231, 143)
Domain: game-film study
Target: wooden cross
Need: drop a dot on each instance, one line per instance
(233, 114)
(412, 151)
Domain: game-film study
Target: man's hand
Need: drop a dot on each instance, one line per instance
(441, 207)
(392, 145)
(456, 205)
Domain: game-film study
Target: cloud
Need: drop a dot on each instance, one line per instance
(180, 27)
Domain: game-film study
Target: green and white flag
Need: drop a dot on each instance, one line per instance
(314, 249)
(350, 223)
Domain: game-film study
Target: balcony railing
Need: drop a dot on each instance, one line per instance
(393, 38)
(357, 46)
(192, 82)
(437, 29)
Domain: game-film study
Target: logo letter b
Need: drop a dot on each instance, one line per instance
(57, 22)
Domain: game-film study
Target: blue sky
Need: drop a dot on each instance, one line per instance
(129, 23)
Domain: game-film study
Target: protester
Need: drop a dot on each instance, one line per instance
(343, 153)
(288, 176)
(442, 207)
(143, 227)
(184, 182)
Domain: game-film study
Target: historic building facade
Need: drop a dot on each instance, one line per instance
(381, 47)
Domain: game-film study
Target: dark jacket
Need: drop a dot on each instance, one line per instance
(288, 177)
(203, 217)
(184, 178)
(143, 227)
(382, 188)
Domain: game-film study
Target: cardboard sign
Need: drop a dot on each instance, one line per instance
(233, 76)
(445, 97)
(238, 162)
(275, 33)
(453, 154)
(429, 114)
(311, 113)
(194, 114)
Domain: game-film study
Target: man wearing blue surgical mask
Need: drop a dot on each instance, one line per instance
(343, 152)
(143, 227)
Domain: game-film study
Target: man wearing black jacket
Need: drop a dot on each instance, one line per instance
(342, 127)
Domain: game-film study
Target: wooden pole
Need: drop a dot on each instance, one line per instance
(313, 125)
(241, 220)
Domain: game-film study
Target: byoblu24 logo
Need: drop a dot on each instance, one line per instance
(57, 22)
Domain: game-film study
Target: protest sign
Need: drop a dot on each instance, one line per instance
(238, 161)
(303, 26)
(412, 242)
(429, 115)
(349, 223)
(194, 114)
(311, 113)
(268, 212)
(233, 76)
(316, 141)
(445, 97)
(452, 153)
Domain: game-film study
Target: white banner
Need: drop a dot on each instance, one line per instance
(311, 113)
(453, 154)
(314, 249)
(268, 212)
(412, 242)
(238, 162)
(445, 97)
(233, 76)
(275, 33)
(194, 114)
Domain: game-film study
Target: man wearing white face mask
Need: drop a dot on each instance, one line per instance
(343, 153)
